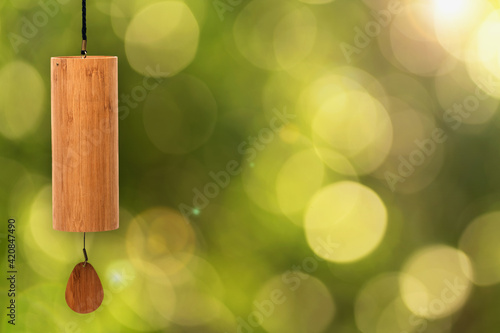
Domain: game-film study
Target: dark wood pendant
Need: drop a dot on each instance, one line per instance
(84, 293)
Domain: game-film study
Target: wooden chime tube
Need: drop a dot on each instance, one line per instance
(84, 93)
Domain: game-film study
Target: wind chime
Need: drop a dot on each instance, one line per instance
(84, 95)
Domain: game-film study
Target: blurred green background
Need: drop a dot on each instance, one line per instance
(285, 166)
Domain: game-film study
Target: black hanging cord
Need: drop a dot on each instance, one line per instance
(84, 251)
(84, 28)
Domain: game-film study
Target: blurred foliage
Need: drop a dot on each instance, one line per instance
(285, 166)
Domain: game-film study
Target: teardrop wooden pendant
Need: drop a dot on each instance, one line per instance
(84, 292)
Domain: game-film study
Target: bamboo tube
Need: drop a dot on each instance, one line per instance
(84, 95)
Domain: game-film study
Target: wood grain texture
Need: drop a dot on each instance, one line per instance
(84, 292)
(84, 95)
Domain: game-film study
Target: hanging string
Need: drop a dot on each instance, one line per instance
(84, 28)
(84, 251)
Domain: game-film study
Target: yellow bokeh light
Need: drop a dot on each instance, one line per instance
(156, 235)
(122, 12)
(336, 161)
(345, 222)
(457, 24)
(119, 275)
(341, 99)
(18, 188)
(20, 114)
(294, 37)
(435, 283)
(413, 42)
(300, 177)
(162, 38)
(480, 243)
(337, 81)
(407, 89)
(292, 302)
(396, 318)
(409, 125)
(488, 52)
(54, 244)
(198, 304)
(372, 299)
(462, 100)
(132, 305)
(415, 154)
(356, 125)
(49, 253)
(451, 9)
(196, 309)
(186, 296)
(275, 34)
(260, 173)
(380, 309)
